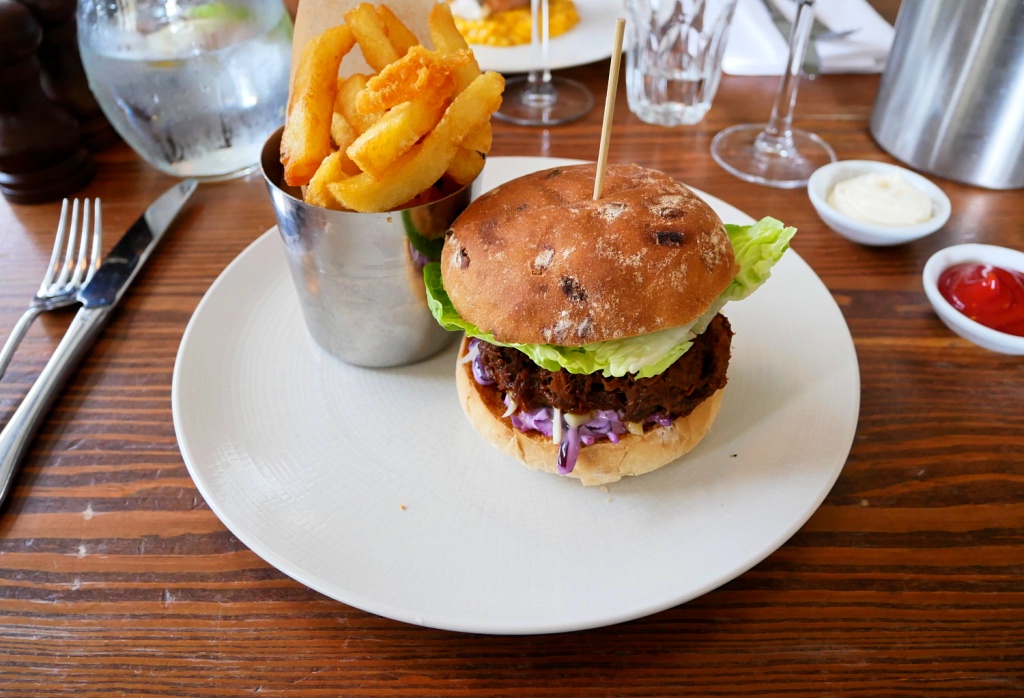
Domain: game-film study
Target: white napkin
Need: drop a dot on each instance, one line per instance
(756, 47)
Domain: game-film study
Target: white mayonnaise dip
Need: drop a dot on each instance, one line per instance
(881, 199)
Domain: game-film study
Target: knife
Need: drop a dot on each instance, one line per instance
(98, 298)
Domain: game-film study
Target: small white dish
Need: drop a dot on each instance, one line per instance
(825, 178)
(962, 325)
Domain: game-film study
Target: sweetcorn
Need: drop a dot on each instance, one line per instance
(512, 27)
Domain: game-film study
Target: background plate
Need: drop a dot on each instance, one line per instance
(590, 40)
(371, 487)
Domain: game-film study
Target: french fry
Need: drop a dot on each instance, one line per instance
(479, 139)
(306, 140)
(371, 34)
(401, 38)
(425, 163)
(396, 132)
(448, 40)
(342, 134)
(347, 166)
(476, 145)
(438, 190)
(345, 103)
(416, 72)
(415, 131)
(465, 166)
(443, 33)
(330, 170)
(341, 130)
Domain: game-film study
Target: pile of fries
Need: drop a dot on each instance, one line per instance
(416, 130)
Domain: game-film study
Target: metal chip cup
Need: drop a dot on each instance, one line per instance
(359, 276)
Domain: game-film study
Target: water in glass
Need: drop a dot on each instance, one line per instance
(674, 62)
(194, 87)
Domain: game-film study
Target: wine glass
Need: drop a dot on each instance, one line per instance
(540, 99)
(776, 154)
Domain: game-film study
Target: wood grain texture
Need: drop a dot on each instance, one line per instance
(117, 579)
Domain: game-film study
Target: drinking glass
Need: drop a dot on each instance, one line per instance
(674, 61)
(540, 99)
(195, 87)
(776, 154)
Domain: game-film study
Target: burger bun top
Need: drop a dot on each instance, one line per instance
(538, 261)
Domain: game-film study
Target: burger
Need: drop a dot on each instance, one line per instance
(594, 345)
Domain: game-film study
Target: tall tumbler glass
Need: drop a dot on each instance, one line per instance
(674, 61)
(193, 86)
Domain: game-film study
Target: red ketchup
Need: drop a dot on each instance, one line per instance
(989, 295)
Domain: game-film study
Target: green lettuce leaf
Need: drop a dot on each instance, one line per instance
(757, 248)
(431, 249)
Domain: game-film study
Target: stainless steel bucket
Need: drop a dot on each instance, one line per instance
(951, 100)
(359, 275)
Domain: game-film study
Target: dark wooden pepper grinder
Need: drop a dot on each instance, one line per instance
(41, 153)
(63, 77)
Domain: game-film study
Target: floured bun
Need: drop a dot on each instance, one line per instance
(537, 261)
(601, 463)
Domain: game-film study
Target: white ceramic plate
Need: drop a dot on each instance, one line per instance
(371, 487)
(590, 40)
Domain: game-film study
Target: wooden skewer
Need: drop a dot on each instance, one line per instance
(609, 108)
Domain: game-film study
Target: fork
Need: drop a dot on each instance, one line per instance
(68, 271)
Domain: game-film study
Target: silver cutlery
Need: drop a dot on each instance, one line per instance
(98, 298)
(74, 260)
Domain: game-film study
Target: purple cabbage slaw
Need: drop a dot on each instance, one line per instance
(603, 424)
(419, 260)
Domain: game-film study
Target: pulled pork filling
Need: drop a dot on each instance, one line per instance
(672, 394)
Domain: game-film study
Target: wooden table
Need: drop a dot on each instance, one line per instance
(116, 578)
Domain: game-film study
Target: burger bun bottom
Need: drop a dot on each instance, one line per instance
(598, 464)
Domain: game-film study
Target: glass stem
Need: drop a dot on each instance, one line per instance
(540, 92)
(536, 77)
(779, 130)
(545, 40)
